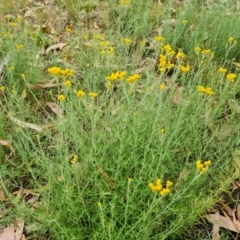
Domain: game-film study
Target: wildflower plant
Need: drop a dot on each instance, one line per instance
(134, 96)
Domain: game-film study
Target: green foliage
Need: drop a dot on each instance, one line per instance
(90, 164)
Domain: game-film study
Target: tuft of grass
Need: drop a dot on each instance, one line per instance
(117, 117)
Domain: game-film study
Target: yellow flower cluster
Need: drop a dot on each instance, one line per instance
(116, 75)
(125, 2)
(204, 51)
(162, 86)
(232, 40)
(231, 77)
(109, 50)
(202, 167)
(19, 46)
(127, 40)
(159, 38)
(80, 93)
(158, 187)
(67, 83)
(180, 55)
(61, 98)
(164, 64)
(92, 94)
(58, 71)
(184, 69)
(206, 90)
(133, 78)
(222, 70)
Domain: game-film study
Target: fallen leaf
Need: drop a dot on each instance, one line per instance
(223, 222)
(235, 221)
(58, 46)
(55, 109)
(25, 124)
(105, 176)
(216, 228)
(19, 228)
(23, 237)
(226, 131)
(236, 64)
(24, 94)
(183, 175)
(40, 86)
(3, 66)
(8, 233)
(177, 95)
(8, 144)
(2, 195)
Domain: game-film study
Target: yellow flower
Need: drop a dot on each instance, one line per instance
(231, 77)
(165, 191)
(92, 94)
(125, 2)
(12, 24)
(85, 36)
(180, 55)
(230, 39)
(222, 70)
(54, 70)
(162, 130)
(162, 86)
(68, 29)
(184, 22)
(67, 83)
(80, 93)
(74, 160)
(13, 90)
(158, 187)
(207, 90)
(11, 68)
(133, 78)
(197, 49)
(23, 76)
(159, 38)
(206, 51)
(61, 98)
(6, 34)
(99, 204)
(127, 40)
(19, 46)
(2, 88)
(202, 167)
(184, 69)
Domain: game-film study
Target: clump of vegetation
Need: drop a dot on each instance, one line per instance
(120, 120)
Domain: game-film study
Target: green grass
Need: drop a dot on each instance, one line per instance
(117, 135)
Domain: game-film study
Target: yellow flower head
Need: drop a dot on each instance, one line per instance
(125, 2)
(61, 98)
(197, 49)
(127, 40)
(231, 77)
(92, 94)
(159, 38)
(222, 70)
(67, 83)
(133, 78)
(184, 69)
(162, 86)
(80, 93)
(74, 160)
(184, 22)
